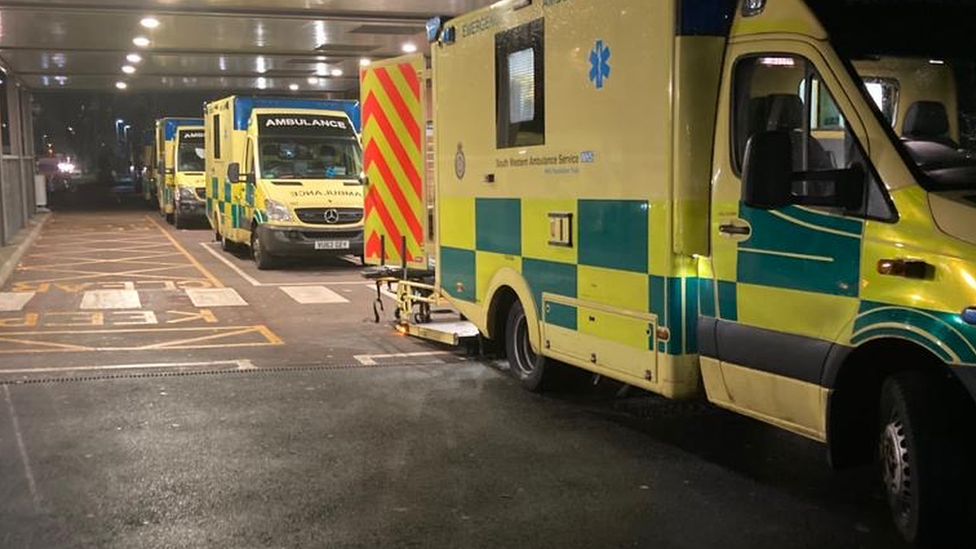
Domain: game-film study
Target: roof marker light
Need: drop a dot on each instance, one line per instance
(777, 61)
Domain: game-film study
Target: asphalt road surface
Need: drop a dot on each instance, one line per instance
(156, 391)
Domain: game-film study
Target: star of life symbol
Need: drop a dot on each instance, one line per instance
(600, 64)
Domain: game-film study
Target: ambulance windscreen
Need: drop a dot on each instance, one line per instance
(307, 147)
(191, 153)
(917, 64)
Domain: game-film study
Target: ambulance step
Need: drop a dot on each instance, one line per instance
(448, 332)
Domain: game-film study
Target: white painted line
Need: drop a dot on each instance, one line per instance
(313, 295)
(14, 301)
(111, 299)
(209, 247)
(28, 473)
(241, 365)
(370, 360)
(225, 261)
(215, 297)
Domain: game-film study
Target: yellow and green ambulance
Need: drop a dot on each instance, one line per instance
(284, 176)
(180, 186)
(771, 203)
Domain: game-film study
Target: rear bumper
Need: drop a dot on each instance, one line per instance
(301, 242)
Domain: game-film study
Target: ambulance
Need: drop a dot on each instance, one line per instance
(767, 203)
(180, 186)
(284, 177)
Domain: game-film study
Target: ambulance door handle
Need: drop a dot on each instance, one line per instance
(735, 230)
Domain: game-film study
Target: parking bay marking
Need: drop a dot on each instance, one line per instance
(215, 297)
(205, 338)
(111, 299)
(14, 301)
(313, 295)
(370, 360)
(242, 364)
(255, 282)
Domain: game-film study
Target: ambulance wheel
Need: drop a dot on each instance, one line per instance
(526, 365)
(179, 222)
(227, 244)
(169, 218)
(922, 464)
(261, 258)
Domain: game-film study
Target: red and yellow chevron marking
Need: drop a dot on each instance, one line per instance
(393, 158)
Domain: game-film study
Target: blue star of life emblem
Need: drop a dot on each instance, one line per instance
(600, 64)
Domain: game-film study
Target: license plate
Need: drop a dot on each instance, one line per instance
(331, 244)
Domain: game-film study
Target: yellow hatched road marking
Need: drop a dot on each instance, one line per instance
(216, 332)
(217, 283)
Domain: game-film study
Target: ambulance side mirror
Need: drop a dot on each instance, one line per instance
(767, 171)
(234, 172)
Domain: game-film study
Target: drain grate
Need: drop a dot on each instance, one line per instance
(215, 372)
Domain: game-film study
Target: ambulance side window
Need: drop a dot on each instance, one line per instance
(520, 86)
(782, 92)
(249, 157)
(216, 135)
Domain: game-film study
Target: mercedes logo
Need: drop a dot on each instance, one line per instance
(331, 216)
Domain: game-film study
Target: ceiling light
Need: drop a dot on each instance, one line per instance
(293, 87)
(409, 47)
(133, 58)
(140, 41)
(313, 80)
(121, 85)
(364, 62)
(320, 58)
(336, 72)
(262, 83)
(149, 22)
(262, 65)
(128, 69)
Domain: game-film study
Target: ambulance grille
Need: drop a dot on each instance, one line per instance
(325, 216)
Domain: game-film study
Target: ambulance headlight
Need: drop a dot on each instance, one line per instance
(186, 194)
(276, 211)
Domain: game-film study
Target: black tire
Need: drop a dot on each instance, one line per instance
(178, 221)
(228, 245)
(262, 259)
(170, 218)
(922, 458)
(526, 365)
